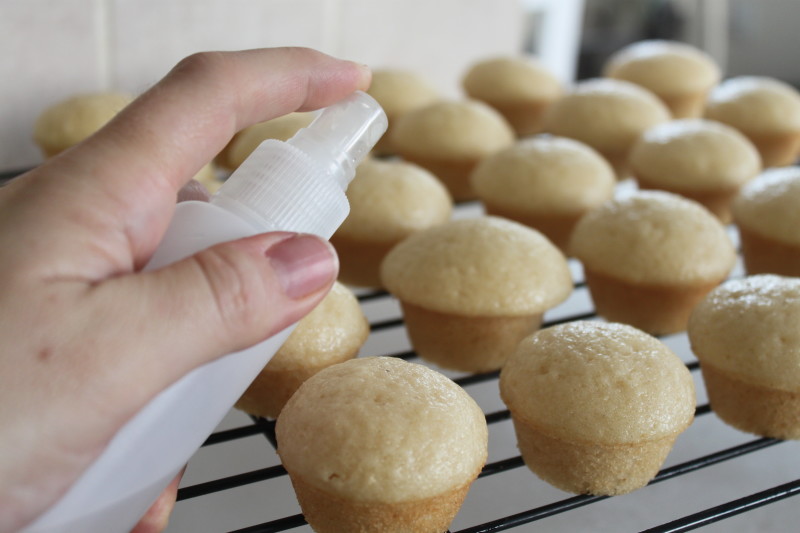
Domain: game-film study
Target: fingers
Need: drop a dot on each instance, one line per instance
(157, 517)
(194, 190)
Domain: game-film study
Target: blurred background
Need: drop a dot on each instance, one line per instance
(56, 48)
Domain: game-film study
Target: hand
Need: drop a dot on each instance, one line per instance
(87, 339)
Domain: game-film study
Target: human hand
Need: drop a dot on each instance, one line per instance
(88, 340)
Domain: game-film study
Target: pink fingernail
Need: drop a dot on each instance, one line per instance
(303, 264)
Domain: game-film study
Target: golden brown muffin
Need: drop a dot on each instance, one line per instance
(70, 121)
(546, 183)
(379, 444)
(471, 289)
(207, 176)
(608, 115)
(650, 257)
(679, 74)
(389, 200)
(703, 160)
(243, 143)
(332, 333)
(450, 138)
(398, 92)
(520, 88)
(746, 336)
(767, 212)
(596, 406)
(766, 110)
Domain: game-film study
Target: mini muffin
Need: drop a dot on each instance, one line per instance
(596, 406)
(379, 444)
(650, 257)
(546, 183)
(398, 92)
(608, 115)
(679, 74)
(520, 88)
(70, 121)
(388, 201)
(700, 159)
(766, 110)
(243, 143)
(207, 176)
(767, 212)
(332, 333)
(450, 138)
(471, 289)
(746, 334)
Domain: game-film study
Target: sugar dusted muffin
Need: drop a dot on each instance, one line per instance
(243, 143)
(746, 334)
(703, 160)
(650, 257)
(767, 212)
(679, 74)
(332, 333)
(471, 289)
(379, 444)
(389, 200)
(398, 92)
(70, 121)
(596, 406)
(608, 115)
(520, 88)
(546, 183)
(766, 110)
(449, 138)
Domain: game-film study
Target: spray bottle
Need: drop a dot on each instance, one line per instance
(297, 186)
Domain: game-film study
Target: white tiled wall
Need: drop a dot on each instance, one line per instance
(54, 48)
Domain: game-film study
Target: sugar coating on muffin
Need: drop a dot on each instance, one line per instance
(770, 205)
(694, 155)
(750, 328)
(381, 429)
(755, 105)
(663, 238)
(70, 121)
(482, 266)
(598, 382)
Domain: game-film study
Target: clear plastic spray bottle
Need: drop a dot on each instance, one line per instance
(296, 185)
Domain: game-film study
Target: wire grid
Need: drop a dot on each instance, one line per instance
(535, 513)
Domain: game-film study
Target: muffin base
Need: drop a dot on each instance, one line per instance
(330, 513)
(777, 150)
(685, 105)
(557, 228)
(591, 468)
(763, 255)
(360, 262)
(526, 118)
(658, 310)
(453, 174)
(718, 201)
(466, 343)
(752, 408)
(618, 160)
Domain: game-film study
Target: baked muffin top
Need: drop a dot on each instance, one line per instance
(654, 238)
(665, 67)
(392, 199)
(598, 382)
(485, 266)
(545, 175)
(280, 128)
(695, 155)
(400, 91)
(335, 328)
(770, 205)
(456, 130)
(755, 105)
(382, 429)
(750, 328)
(606, 114)
(70, 121)
(511, 80)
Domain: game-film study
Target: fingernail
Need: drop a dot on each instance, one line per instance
(366, 74)
(303, 264)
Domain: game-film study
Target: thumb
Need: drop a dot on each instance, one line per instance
(221, 300)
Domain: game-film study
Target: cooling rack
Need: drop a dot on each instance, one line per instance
(715, 473)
